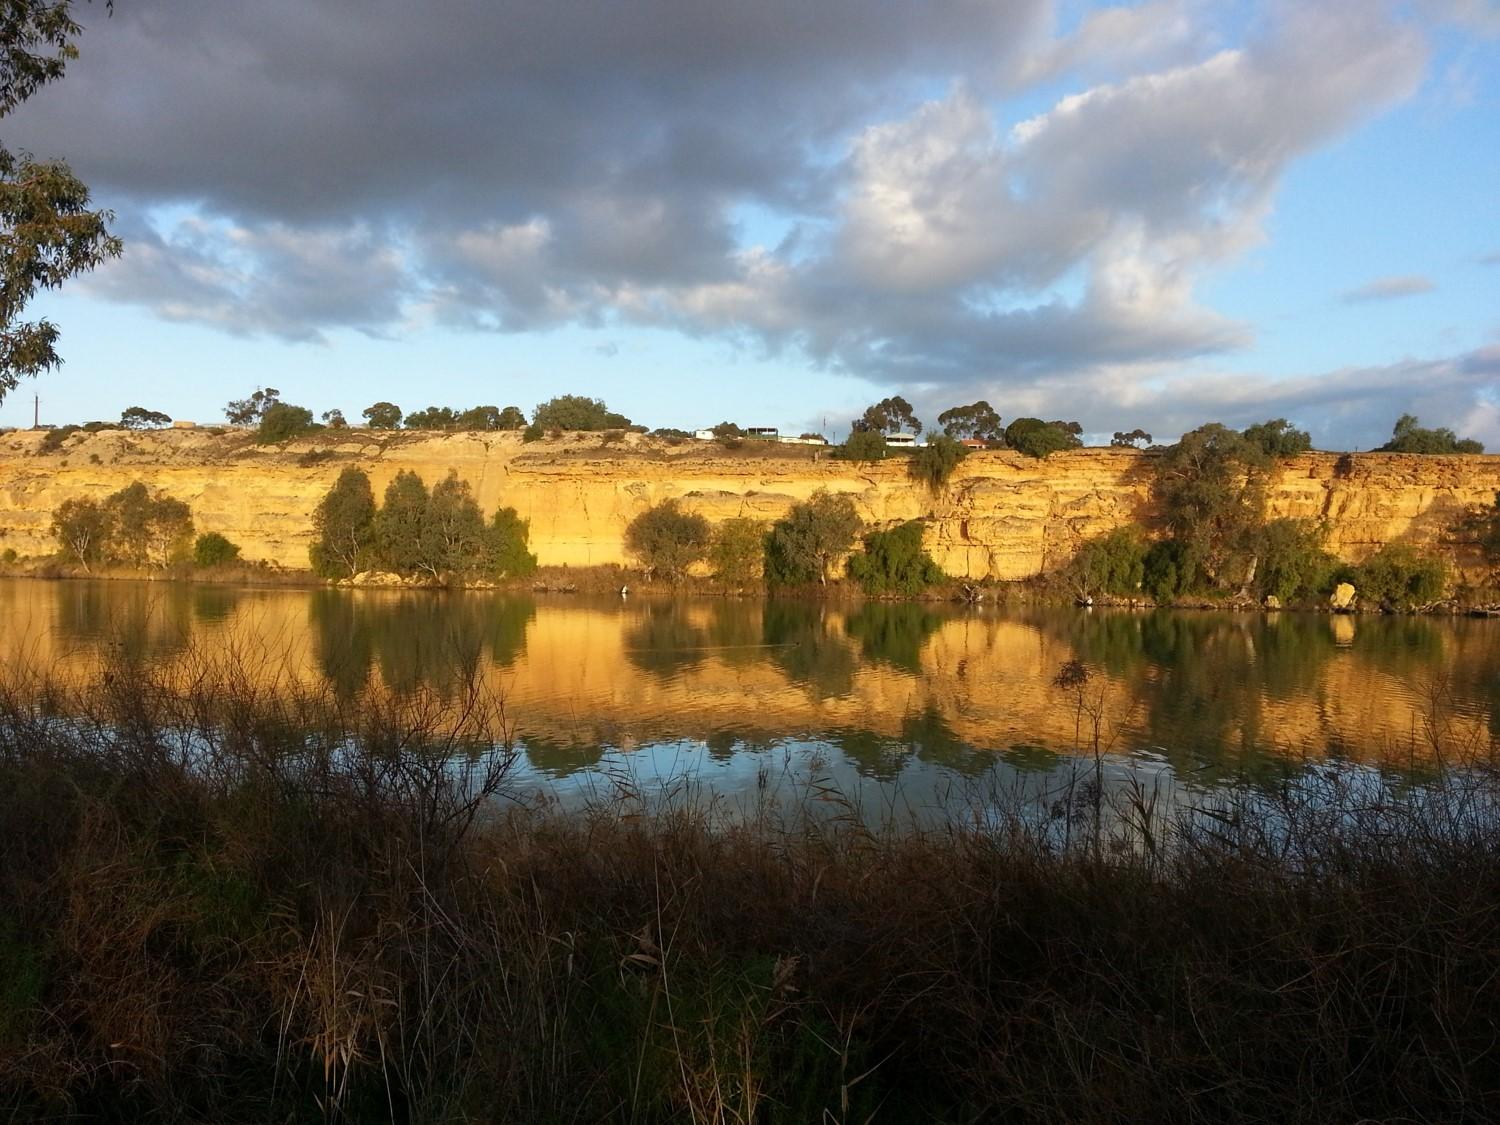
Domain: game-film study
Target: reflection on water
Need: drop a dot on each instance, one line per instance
(879, 693)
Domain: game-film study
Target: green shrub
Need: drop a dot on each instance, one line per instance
(1293, 563)
(894, 562)
(575, 412)
(1409, 436)
(1111, 564)
(509, 535)
(9, 555)
(343, 523)
(1168, 570)
(532, 433)
(737, 552)
(668, 540)
(933, 463)
(1396, 578)
(282, 421)
(1278, 438)
(212, 549)
(865, 445)
(1036, 438)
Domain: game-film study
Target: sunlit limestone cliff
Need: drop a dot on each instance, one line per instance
(1002, 515)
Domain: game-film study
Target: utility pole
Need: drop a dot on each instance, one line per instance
(36, 412)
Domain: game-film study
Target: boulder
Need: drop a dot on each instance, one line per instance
(1342, 596)
(1273, 602)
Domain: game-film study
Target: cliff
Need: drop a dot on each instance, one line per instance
(1003, 515)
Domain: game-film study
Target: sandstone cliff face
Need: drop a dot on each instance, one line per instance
(1002, 515)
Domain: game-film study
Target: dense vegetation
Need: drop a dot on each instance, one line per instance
(894, 562)
(440, 534)
(133, 526)
(668, 540)
(803, 545)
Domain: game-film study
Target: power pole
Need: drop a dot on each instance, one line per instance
(36, 412)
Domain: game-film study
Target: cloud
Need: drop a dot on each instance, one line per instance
(1388, 288)
(516, 165)
(1492, 259)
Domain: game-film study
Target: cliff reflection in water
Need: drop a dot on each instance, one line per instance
(882, 684)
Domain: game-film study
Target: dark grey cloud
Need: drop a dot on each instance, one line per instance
(508, 165)
(1388, 289)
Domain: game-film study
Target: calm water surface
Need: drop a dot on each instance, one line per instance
(886, 703)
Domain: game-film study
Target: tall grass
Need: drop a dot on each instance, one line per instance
(228, 902)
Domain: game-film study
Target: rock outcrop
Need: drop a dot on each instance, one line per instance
(1002, 515)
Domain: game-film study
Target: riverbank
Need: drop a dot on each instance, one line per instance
(235, 906)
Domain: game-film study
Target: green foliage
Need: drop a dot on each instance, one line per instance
(575, 412)
(282, 421)
(889, 416)
(398, 525)
(84, 528)
(56, 439)
(433, 418)
(509, 535)
(1293, 563)
(1036, 438)
(671, 435)
(737, 552)
(1169, 570)
(344, 525)
(250, 411)
(212, 549)
(932, 464)
(139, 418)
(48, 234)
(1397, 578)
(532, 433)
(1409, 436)
(334, 419)
(453, 538)
(1132, 439)
(9, 555)
(1209, 490)
(1111, 564)
(894, 562)
(804, 543)
(1278, 438)
(668, 540)
(147, 529)
(977, 420)
(1481, 527)
(382, 416)
(865, 445)
(726, 430)
(511, 418)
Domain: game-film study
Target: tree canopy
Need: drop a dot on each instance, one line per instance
(892, 415)
(804, 543)
(1409, 436)
(48, 233)
(1278, 438)
(977, 420)
(575, 412)
(668, 540)
(139, 418)
(382, 416)
(249, 411)
(1036, 438)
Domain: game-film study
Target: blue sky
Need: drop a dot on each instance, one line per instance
(1149, 215)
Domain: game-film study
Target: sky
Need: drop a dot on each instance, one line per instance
(1142, 215)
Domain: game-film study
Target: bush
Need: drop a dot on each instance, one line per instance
(865, 445)
(933, 463)
(1111, 564)
(56, 439)
(667, 540)
(1277, 438)
(1397, 579)
(1409, 436)
(509, 535)
(1036, 438)
(1293, 563)
(737, 553)
(894, 562)
(575, 412)
(9, 555)
(212, 549)
(532, 433)
(282, 421)
(147, 529)
(1169, 570)
(805, 542)
(1209, 490)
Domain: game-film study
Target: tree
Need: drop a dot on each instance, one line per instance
(148, 529)
(512, 418)
(1036, 438)
(1132, 440)
(508, 538)
(213, 549)
(1409, 436)
(1111, 564)
(737, 552)
(977, 420)
(84, 528)
(866, 445)
(334, 419)
(382, 416)
(344, 525)
(1278, 438)
(398, 525)
(1397, 579)
(805, 542)
(889, 416)
(433, 418)
(48, 234)
(1209, 490)
(1293, 563)
(575, 412)
(454, 538)
(667, 540)
(249, 411)
(894, 562)
(933, 463)
(139, 418)
(281, 421)
(726, 430)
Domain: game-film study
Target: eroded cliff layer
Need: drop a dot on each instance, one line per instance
(1003, 515)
